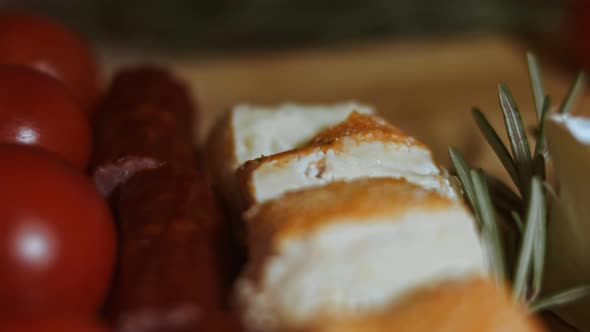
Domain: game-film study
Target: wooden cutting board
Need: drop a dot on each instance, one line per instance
(426, 87)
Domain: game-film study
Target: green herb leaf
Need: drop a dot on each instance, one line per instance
(496, 143)
(463, 170)
(518, 141)
(538, 202)
(549, 188)
(499, 188)
(560, 298)
(490, 230)
(532, 250)
(504, 198)
(536, 82)
(539, 166)
(572, 94)
(540, 135)
(518, 221)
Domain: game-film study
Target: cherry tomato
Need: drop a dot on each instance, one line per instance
(57, 238)
(49, 46)
(36, 109)
(51, 325)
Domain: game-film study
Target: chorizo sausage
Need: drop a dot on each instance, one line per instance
(146, 120)
(172, 257)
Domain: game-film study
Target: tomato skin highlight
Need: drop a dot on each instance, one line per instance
(57, 237)
(52, 325)
(36, 109)
(49, 46)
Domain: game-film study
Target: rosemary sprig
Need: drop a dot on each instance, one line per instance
(540, 138)
(463, 173)
(574, 91)
(518, 221)
(532, 252)
(496, 143)
(505, 199)
(560, 298)
(538, 213)
(528, 211)
(519, 143)
(490, 229)
(536, 82)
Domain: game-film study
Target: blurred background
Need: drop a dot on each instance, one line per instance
(185, 25)
(422, 63)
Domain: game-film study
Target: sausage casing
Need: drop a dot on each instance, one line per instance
(146, 120)
(172, 258)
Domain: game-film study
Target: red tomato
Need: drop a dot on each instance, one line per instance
(47, 45)
(36, 109)
(57, 237)
(51, 325)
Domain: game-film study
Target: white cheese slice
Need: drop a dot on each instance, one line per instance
(264, 131)
(350, 248)
(247, 132)
(568, 252)
(362, 146)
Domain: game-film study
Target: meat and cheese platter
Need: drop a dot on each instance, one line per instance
(290, 217)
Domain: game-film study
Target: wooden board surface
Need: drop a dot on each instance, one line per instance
(426, 87)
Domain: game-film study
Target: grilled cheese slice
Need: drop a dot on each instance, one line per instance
(247, 132)
(362, 146)
(464, 306)
(348, 248)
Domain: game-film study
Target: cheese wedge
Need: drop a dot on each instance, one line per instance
(247, 132)
(467, 306)
(350, 247)
(362, 146)
(567, 265)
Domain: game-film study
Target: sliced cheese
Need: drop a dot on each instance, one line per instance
(567, 265)
(351, 247)
(362, 146)
(464, 306)
(247, 132)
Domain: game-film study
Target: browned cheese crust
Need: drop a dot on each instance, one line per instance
(462, 306)
(362, 127)
(359, 127)
(303, 211)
